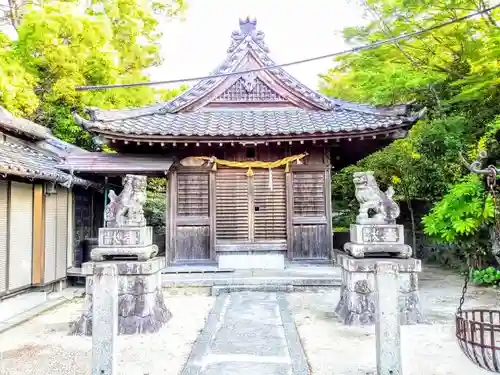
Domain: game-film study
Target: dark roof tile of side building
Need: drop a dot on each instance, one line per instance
(34, 158)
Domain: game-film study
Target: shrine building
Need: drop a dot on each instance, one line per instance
(248, 156)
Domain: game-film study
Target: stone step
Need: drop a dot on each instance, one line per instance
(195, 270)
(172, 281)
(220, 289)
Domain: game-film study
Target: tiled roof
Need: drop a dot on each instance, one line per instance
(250, 123)
(21, 125)
(36, 158)
(190, 114)
(27, 160)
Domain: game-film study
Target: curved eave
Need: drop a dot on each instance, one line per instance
(86, 124)
(62, 179)
(145, 138)
(19, 125)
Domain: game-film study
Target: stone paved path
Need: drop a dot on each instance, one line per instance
(248, 333)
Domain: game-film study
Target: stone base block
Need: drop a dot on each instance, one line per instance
(357, 296)
(141, 306)
(100, 254)
(374, 250)
(252, 261)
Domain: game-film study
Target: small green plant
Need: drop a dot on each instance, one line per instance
(340, 229)
(486, 276)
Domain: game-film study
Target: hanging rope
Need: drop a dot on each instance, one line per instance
(250, 165)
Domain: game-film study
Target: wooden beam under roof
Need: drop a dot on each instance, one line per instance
(99, 162)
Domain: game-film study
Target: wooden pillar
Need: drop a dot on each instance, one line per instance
(173, 214)
(328, 201)
(168, 228)
(70, 257)
(38, 264)
(212, 212)
(289, 213)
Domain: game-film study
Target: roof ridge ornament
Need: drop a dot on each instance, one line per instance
(247, 32)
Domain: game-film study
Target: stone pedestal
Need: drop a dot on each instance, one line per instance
(125, 242)
(141, 306)
(357, 297)
(374, 239)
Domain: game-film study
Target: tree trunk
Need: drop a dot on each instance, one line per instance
(412, 219)
(495, 243)
(413, 227)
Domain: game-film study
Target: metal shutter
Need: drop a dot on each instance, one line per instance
(50, 238)
(21, 235)
(3, 235)
(71, 230)
(62, 233)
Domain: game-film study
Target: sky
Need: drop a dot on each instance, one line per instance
(294, 30)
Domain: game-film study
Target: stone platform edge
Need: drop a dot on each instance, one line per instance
(350, 263)
(36, 311)
(129, 267)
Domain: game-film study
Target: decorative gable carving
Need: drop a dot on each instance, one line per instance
(248, 43)
(249, 89)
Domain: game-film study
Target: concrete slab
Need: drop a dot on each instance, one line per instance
(248, 333)
(21, 308)
(312, 276)
(246, 368)
(13, 306)
(252, 261)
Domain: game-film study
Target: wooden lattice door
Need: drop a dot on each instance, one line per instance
(309, 217)
(269, 205)
(232, 205)
(192, 232)
(250, 209)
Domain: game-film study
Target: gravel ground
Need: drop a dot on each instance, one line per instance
(42, 346)
(430, 349)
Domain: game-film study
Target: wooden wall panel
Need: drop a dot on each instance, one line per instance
(309, 194)
(168, 229)
(192, 219)
(50, 238)
(192, 243)
(310, 239)
(192, 194)
(20, 235)
(62, 233)
(56, 235)
(4, 206)
(71, 248)
(38, 235)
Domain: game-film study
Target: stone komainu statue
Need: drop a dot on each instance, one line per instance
(126, 209)
(370, 197)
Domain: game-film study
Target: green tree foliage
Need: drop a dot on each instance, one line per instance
(17, 93)
(461, 212)
(61, 45)
(454, 72)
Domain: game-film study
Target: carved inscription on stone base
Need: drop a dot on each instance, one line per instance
(377, 238)
(134, 243)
